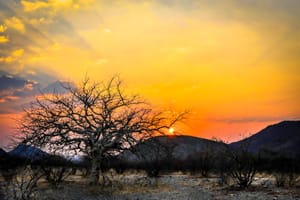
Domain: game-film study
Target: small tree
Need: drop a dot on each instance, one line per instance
(55, 175)
(97, 119)
(23, 185)
(243, 166)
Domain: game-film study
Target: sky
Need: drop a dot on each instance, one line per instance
(234, 64)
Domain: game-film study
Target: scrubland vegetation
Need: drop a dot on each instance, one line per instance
(102, 124)
(227, 175)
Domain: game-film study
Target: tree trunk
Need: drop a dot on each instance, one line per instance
(95, 171)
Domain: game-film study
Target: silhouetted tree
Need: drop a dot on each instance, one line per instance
(55, 175)
(243, 165)
(97, 119)
(23, 184)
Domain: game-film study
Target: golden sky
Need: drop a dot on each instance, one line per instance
(234, 64)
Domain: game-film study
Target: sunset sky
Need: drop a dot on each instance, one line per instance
(235, 64)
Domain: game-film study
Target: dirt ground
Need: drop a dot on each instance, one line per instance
(177, 186)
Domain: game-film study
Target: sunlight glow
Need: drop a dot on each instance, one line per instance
(171, 131)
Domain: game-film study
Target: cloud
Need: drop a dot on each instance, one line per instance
(14, 92)
(15, 23)
(17, 92)
(36, 28)
(8, 82)
(32, 6)
(18, 53)
(3, 28)
(3, 39)
(14, 56)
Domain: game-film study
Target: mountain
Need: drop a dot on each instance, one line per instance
(179, 147)
(57, 87)
(283, 137)
(2, 153)
(28, 152)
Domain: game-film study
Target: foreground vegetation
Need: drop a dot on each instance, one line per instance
(232, 171)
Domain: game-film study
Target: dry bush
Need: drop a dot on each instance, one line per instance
(201, 162)
(1, 192)
(243, 166)
(285, 169)
(23, 184)
(283, 179)
(8, 174)
(280, 179)
(56, 175)
(293, 179)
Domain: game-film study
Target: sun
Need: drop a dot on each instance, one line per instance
(171, 131)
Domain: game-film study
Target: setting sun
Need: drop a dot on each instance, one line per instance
(171, 131)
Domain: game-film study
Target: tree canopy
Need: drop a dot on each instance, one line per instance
(97, 119)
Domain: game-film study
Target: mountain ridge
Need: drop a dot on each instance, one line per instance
(28, 152)
(283, 137)
(179, 147)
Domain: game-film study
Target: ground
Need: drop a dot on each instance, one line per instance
(136, 186)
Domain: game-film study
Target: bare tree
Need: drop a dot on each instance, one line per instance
(23, 185)
(55, 175)
(243, 166)
(97, 119)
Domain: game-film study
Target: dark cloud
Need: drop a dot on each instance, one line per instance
(16, 92)
(39, 74)
(8, 82)
(13, 91)
(2, 73)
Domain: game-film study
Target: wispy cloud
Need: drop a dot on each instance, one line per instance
(33, 26)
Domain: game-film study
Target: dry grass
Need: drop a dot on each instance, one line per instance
(135, 185)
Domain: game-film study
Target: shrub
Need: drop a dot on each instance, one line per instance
(56, 175)
(23, 184)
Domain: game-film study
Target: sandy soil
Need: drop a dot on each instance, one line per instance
(176, 186)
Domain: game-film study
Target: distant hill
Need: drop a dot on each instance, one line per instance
(179, 147)
(57, 87)
(283, 137)
(2, 153)
(28, 152)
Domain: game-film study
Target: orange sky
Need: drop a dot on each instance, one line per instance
(234, 64)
